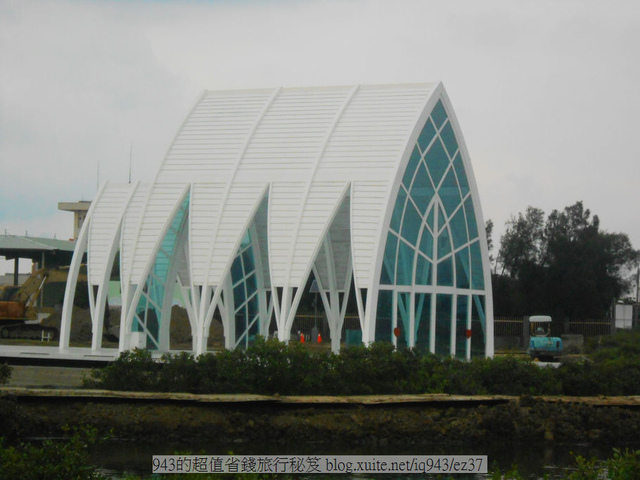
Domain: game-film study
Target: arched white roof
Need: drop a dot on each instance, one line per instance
(306, 149)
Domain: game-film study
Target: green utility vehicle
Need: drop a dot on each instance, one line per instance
(542, 345)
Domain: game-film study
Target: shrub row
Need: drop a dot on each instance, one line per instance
(60, 460)
(5, 373)
(271, 367)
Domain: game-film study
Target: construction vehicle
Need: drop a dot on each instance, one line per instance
(542, 345)
(21, 312)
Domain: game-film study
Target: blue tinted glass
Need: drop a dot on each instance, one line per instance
(444, 244)
(403, 319)
(423, 271)
(444, 313)
(426, 243)
(246, 240)
(477, 275)
(430, 220)
(253, 329)
(422, 319)
(437, 161)
(253, 306)
(398, 208)
(439, 114)
(236, 270)
(461, 325)
(478, 326)
(411, 167)
(460, 173)
(241, 324)
(404, 269)
(389, 260)
(459, 228)
(427, 134)
(411, 224)
(247, 260)
(449, 193)
(471, 219)
(462, 268)
(251, 284)
(445, 272)
(449, 139)
(238, 296)
(442, 219)
(384, 316)
(422, 191)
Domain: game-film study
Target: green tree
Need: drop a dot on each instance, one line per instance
(522, 243)
(488, 228)
(565, 266)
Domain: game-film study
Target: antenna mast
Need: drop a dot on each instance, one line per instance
(130, 159)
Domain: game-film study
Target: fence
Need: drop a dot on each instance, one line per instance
(506, 327)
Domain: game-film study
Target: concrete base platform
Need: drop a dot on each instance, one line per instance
(37, 355)
(71, 357)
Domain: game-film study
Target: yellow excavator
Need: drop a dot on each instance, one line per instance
(20, 312)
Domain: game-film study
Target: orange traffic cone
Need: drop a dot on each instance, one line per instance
(302, 338)
(319, 338)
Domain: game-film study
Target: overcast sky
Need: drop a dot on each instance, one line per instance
(547, 93)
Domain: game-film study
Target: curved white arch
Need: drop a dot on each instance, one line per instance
(302, 152)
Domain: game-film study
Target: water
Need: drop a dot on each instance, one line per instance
(119, 458)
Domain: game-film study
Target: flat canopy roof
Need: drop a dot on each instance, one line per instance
(33, 248)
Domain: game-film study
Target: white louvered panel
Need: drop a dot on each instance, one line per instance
(157, 214)
(261, 223)
(368, 202)
(183, 268)
(293, 131)
(321, 201)
(285, 199)
(205, 205)
(340, 233)
(241, 202)
(373, 131)
(106, 218)
(213, 137)
(321, 268)
(130, 229)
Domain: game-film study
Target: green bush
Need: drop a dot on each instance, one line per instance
(624, 343)
(13, 419)
(272, 367)
(176, 373)
(134, 370)
(579, 379)
(5, 373)
(275, 367)
(67, 460)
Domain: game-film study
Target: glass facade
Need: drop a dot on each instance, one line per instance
(432, 256)
(148, 315)
(245, 293)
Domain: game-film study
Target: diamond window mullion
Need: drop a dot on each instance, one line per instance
(432, 241)
(427, 137)
(448, 137)
(245, 290)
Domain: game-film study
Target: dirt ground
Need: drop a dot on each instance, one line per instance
(81, 330)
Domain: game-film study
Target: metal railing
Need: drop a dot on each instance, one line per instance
(511, 327)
